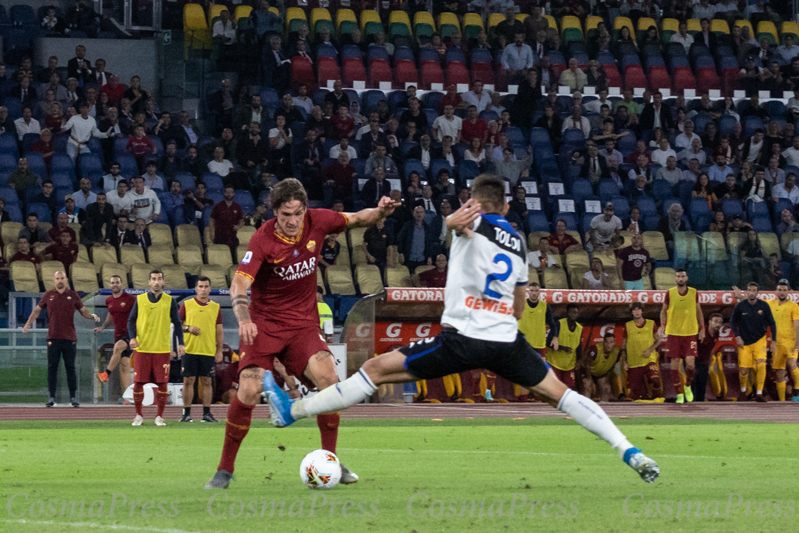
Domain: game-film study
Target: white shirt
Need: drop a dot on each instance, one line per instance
(110, 182)
(484, 273)
(754, 151)
(482, 101)
(336, 151)
(594, 284)
(281, 143)
(305, 103)
(222, 168)
(82, 201)
(686, 155)
(791, 156)
(154, 183)
(682, 140)
(584, 124)
(594, 106)
(23, 128)
(83, 129)
(119, 203)
(143, 205)
(659, 156)
(448, 127)
(779, 191)
(225, 31)
(686, 41)
(534, 259)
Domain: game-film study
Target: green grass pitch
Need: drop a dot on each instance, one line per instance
(484, 475)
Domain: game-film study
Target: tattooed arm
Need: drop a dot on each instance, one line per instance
(241, 303)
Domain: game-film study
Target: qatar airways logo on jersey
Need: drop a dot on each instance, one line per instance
(296, 270)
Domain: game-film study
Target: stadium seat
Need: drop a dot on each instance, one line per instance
(555, 278)
(197, 35)
(353, 70)
(217, 275)
(379, 70)
(766, 29)
(24, 276)
(719, 27)
(406, 72)
(160, 254)
(218, 254)
(789, 27)
(368, 278)
(131, 255)
(398, 276)
(339, 279)
(302, 72)
(174, 277)
(190, 258)
(48, 270)
(327, 69)
(244, 234)
(113, 269)
(102, 256)
(214, 12)
(187, 234)
(472, 25)
(431, 73)
(161, 234)
(668, 27)
(84, 277)
(9, 231)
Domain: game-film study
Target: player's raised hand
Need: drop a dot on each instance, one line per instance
(247, 332)
(462, 219)
(387, 206)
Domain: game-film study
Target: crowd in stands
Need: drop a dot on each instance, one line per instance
(598, 180)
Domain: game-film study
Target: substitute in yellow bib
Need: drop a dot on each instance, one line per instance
(640, 357)
(202, 323)
(599, 367)
(150, 330)
(564, 359)
(537, 315)
(325, 313)
(786, 316)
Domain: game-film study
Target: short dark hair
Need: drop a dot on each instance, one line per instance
(714, 315)
(116, 276)
(572, 306)
(609, 334)
(288, 190)
(202, 278)
(155, 271)
(489, 189)
(753, 284)
(637, 305)
(45, 182)
(784, 283)
(34, 215)
(534, 284)
(677, 271)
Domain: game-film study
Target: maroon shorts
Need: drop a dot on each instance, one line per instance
(678, 347)
(644, 382)
(294, 348)
(566, 376)
(151, 367)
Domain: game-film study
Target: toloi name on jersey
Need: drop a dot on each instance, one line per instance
(507, 240)
(297, 270)
(486, 304)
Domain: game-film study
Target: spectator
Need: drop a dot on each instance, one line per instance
(788, 189)
(302, 99)
(343, 146)
(434, 277)
(151, 178)
(414, 114)
(227, 142)
(222, 102)
(33, 233)
(641, 169)
(703, 189)
(513, 170)
(138, 236)
(139, 146)
(578, 121)
(114, 89)
(64, 250)
(729, 189)
(655, 115)
(477, 97)
(379, 159)
(640, 189)
(84, 196)
(44, 145)
(477, 153)
(542, 259)
(787, 223)
(197, 200)
(774, 174)
(53, 24)
(224, 34)
(83, 127)
(635, 224)
(753, 258)
(288, 111)
(143, 201)
(22, 179)
(6, 125)
(310, 154)
(694, 152)
(671, 224)
(438, 227)
(339, 177)
(376, 241)
(594, 168)
(573, 77)
(171, 201)
(338, 97)
(448, 124)
(705, 37)
(664, 151)
(633, 263)
(683, 37)
(510, 26)
(670, 172)
(596, 279)
(81, 17)
(26, 123)
(562, 243)
(610, 151)
(787, 51)
(753, 146)
(99, 225)
(25, 93)
(757, 188)
(220, 165)
(415, 241)
(62, 226)
(517, 58)
(551, 122)
(119, 200)
(253, 152)
(330, 251)
(226, 219)
(47, 196)
(423, 152)
(685, 139)
(167, 131)
(375, 188)
(718, 224)
(192, 162)
(169, 164)
(604, 228)
(280, 138)
(139, 96)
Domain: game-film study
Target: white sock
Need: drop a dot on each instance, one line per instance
(340, 396)
(589, 415)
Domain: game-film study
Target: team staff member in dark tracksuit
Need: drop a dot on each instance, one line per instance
(749, 322)
(61, 304)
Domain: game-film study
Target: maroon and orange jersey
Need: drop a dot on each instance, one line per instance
(119, 309)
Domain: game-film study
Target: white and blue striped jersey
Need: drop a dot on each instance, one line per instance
(482, 276)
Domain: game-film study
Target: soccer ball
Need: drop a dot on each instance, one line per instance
(320, 470)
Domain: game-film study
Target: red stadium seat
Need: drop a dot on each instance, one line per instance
(353, 71)
(431, 73)
(406, 73)
(379, 70)
(302, 73)
(558, 68)
(612, 72)
(328, 70)
(659, 79)
(501, 83)
(483, 72)
(457, 73)
(707, 79)
(634, 77)
(683, 79)
(729, 81)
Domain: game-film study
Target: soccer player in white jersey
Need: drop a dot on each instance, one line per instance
(484, 296)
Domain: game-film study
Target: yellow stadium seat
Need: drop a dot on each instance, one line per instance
(770, 244)
(494, 19)
(398, 276)
(84, 277)
(188, 234)
(232, 272)
(344, 15)
(196, 34)
(655, 244)
(274, 10)
(368, 277)
(532, 275)
(399, 17)
(39, 248)
(174, 277)
(768, 28)
(9, 251)
(644, 23)
(295, 13)
(319, 13)
(472, 19)
(320, 280)
(619, 22)
(24, 276)
(367, 16)
(448, 18)
(787, 239)
(207, 236)
(344, 256)
(521, 17)
(422, 268)
(356, 237)
(714, 246)
(570, 21)
(672, 25)
(790, 27)
(113, 269)
(46, 226)
(555, 278)
(694, 26)
(160, 255)
(241, 249)
(218, 254)
(358, 257)
(130, 255)
(719, 26)
(161, 234)
(746, 24)
(102, 255)
(664, 278)
(76, 228)
(217, 274)
(244, 234)
(647, 283)
(591, 23)
(576, 235)
(214, 11)
(190, 258)
(10, 231)
(83, 254)
(577, 261)
(735, 240)
(340, 280)
(686, 246)
(533, 239)
(49, 268)
(140, 275)
(552, 22)
(242, 12)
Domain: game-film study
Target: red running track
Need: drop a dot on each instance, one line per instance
(785, 412)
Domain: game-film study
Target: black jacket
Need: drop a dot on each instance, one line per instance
(648, 118)
(369, 192)
(405, 240)
(91, 230)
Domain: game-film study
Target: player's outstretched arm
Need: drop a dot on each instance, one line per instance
(369, 217)
(241, 302)
(31, 319)
(461, 220)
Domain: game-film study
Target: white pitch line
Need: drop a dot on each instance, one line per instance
(486, 452)
(96, 526)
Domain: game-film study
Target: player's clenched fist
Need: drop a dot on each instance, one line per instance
(247, 332)
(133, 344)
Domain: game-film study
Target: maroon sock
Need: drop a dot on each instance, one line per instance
(675, 379)
(689, 375)
(239, 416)
(138, 397)
(161, 397)
(328, 427)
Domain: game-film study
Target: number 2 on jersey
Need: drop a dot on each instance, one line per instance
(496, 276)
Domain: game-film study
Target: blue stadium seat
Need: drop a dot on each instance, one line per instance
(8, 145)
(762, 224)
(414, 165)
(700, 214)
(350, 50)
(647, 206)
(607, 190)
(754, 209)
(62, 163)
(41, 210)
(62, 180)
(581, 189)
(776, 110)
(371, 98)
(537, 221)
(428, 54)
(36, 164)
(515, 136)
(245, 200)
(752, 123)
(436, 165)
(8, 163)
(467, 170)
(667, 202)
(621, 207)
(574, 137)
(127, 165)
(569, 218)
(403, 52)
(213, 182)
(432, 100)
(91, 166)
(186, 180)
(779, 206)
(14, 213)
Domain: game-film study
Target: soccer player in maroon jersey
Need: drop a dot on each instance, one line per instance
(282, 320)
(119, 305)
